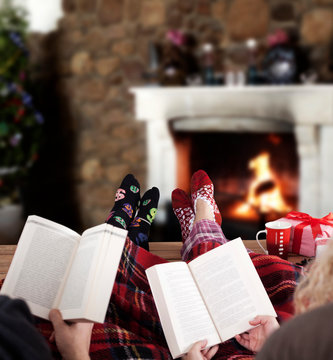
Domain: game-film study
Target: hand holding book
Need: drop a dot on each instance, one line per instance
(252, 340)
(199, 351)
(73, 341)
(255, 338)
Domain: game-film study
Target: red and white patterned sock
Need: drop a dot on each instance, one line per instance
(182, 207)
(203, 188)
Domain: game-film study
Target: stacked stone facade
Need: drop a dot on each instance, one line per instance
(100, 50)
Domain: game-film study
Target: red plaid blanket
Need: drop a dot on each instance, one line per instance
(132, 329)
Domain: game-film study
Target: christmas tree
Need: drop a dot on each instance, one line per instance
(20, 122)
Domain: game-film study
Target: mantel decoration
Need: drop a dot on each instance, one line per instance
(20, 122)
(280, 62)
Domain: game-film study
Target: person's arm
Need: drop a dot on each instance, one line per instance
(73, 341)
(198, 351)
(255, 338)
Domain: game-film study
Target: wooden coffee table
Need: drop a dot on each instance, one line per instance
(167, 250)
(171, 250)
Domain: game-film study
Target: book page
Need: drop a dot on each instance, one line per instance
(231, 288)
(76, 290)
(183, 314)
(105, 272)
(40, 264)
(89, 285)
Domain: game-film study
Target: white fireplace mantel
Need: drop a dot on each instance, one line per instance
(308, 110)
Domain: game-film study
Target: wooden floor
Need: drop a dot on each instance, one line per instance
(166, 250)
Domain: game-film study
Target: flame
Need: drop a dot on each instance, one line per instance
(264, 194)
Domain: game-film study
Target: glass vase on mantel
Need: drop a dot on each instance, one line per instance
(11, 211)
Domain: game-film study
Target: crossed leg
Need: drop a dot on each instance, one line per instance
(199, 217)
(132, 213)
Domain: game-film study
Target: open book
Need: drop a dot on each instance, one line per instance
(54, 267)
(213, 297)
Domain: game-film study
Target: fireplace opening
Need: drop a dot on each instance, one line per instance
(255, 174)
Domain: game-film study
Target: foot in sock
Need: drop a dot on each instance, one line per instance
(126, 203)
(182, 207)
(203, 188)
(138, 230)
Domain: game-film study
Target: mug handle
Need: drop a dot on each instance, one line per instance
(258, 241)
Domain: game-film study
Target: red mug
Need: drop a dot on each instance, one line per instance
(277, 238)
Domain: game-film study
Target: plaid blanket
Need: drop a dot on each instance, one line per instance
(132, 329)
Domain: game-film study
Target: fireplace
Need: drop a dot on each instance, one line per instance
(255, 174)
(299, 117)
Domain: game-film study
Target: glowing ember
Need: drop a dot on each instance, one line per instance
(264, 193)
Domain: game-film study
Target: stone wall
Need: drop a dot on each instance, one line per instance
(85, 68)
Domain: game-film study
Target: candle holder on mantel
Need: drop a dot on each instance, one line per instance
(151, 75)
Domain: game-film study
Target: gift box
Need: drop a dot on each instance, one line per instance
(304, 231)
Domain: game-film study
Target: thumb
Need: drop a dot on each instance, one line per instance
(199, 345)
(203, 343)
(56, 319)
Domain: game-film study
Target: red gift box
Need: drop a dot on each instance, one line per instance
(304, 231)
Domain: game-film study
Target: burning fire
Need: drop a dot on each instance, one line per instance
(264, 194)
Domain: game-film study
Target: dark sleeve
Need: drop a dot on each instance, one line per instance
(19, 339)
(308, 336)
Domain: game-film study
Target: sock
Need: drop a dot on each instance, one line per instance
(126, 203)
(203, 188)
(182, 207)
(138, 230)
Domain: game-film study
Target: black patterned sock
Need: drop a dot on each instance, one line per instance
(138, 230)
(126, 203)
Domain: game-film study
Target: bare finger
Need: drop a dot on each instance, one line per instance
(52, 337)
(212, 351)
